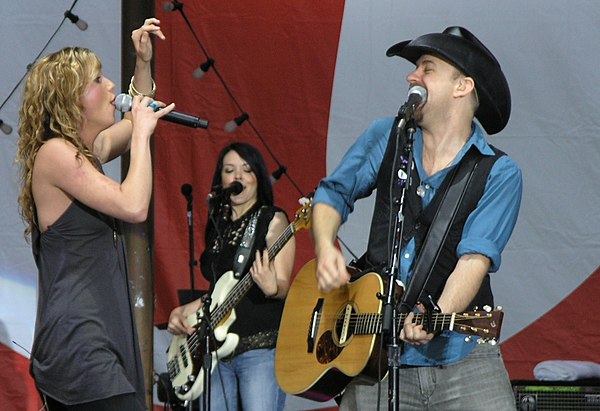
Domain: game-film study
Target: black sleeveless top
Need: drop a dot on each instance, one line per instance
(85, 345)
(257, 317)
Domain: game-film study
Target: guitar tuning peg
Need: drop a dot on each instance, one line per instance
(482, 340)
(476, 308)
(499, 307)
(487, 308)
(493, 341)
(468, 338)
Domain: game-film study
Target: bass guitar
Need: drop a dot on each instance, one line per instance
(327, 339)
(185, 354)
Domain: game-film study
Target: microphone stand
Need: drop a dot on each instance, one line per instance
(206, 330)
(186, 296)
(186, 189)
(189, 295)
(390, 310)
(207, 357)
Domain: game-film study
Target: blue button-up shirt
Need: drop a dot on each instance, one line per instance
(486, 230)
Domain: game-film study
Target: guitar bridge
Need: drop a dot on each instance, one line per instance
(314, 326)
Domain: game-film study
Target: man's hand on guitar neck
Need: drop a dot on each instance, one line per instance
(413, 333)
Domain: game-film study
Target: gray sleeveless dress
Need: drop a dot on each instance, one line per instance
(85, 345)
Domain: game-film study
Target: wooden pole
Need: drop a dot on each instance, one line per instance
(139, 236)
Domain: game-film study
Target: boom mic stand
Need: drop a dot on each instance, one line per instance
(186, 190)
(207, 357)
(206, 330)
(390, 309)
(189, 295)
(186, 296)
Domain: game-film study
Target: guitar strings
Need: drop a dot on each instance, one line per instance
(367, 322)
(193, 341)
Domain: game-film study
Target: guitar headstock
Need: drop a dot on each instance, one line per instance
(303, 215)
(484, 323)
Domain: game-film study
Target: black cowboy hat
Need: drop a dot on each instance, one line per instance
(463, 50)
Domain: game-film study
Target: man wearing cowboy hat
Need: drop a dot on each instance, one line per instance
(462, 81)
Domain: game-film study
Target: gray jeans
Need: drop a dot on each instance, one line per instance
(477, 383)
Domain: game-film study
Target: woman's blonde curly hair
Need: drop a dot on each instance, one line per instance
(51, 107)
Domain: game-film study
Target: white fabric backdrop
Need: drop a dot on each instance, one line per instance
(548, 51)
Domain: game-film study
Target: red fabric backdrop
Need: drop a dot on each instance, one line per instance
(278, 61)
(18, 391)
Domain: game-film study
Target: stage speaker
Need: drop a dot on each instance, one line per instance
(557, 395)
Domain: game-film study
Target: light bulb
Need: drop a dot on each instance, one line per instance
(82, 24)
(203, 68)
(6, 129)
(276, 175)
(230, 126)
(172, 5)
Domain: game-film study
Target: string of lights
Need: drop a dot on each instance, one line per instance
(203, 68)
(209, 63)
(243, 117)
(81, 24)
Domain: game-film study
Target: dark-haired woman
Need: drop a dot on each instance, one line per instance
(246, 378)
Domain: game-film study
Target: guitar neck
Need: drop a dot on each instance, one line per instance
(243, 286)
(288, 233)
(371, 323)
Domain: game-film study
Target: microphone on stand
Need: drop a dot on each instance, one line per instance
(219, 191)
(186, 190)
(417, 96)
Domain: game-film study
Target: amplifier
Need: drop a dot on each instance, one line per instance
(557, 395)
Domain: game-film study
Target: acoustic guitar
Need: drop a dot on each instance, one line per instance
(327, 339)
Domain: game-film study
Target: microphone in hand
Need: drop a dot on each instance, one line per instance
(123, 103)
(219, 191)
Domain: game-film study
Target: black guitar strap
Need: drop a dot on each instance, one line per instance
(440, 226)
(244, 251)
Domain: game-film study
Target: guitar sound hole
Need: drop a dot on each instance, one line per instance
(327, 350)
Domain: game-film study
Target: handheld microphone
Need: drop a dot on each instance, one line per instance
(219, 191)
(417, 95)
(123, 103)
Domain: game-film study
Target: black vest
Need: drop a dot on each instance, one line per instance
(418, 220)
